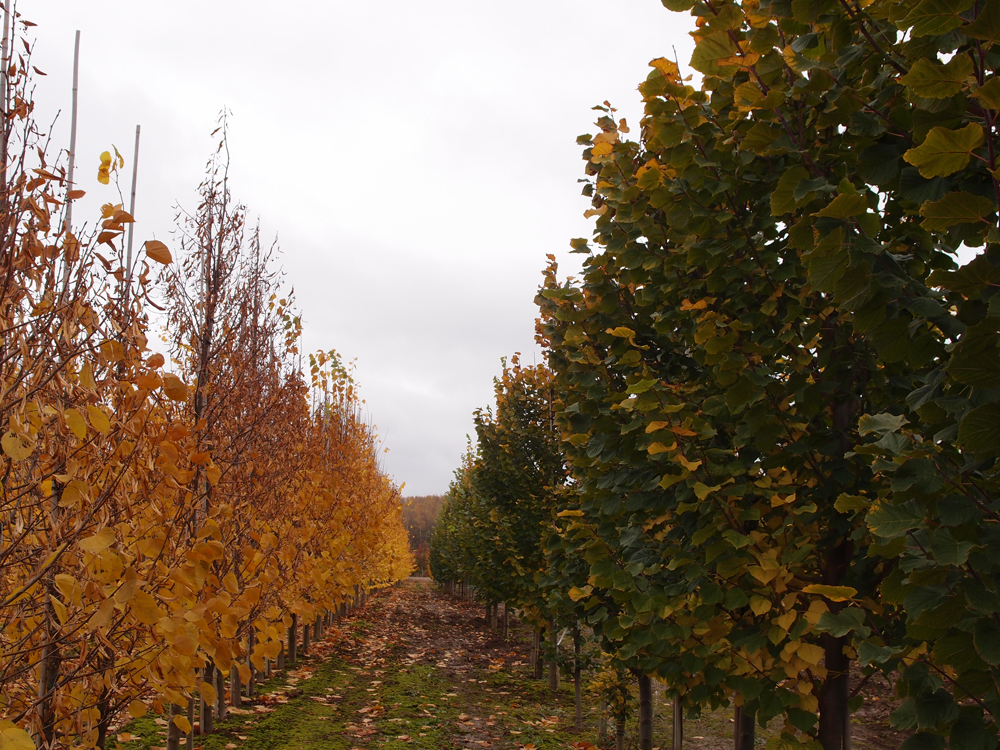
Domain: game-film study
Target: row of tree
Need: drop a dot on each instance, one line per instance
(778, 394)
(165, 530)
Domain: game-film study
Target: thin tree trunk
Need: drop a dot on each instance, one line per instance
(678, 738)
(206, 721)
(554, 663)
(602, 725)
(646, 713)
(536, 654)
(189, 740)
(620, 734)
(743, 729)
(220, 695)
(305, 638)
(506, 621)
(235, 689)
(173, 731)
(577, 682)
(292, 645)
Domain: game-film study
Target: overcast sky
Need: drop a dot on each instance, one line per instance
(415, 160)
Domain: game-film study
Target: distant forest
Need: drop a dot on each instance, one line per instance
(419, 516)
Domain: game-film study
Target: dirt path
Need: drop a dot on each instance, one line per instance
(417, 669)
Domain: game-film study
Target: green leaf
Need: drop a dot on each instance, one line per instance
(969, 280)
(989, 93)
(642, 386)
(955, 208)
(957, 650)
(893, 520)
(709, 50)
(976, 360)
(945, 151)
(880, 424)
(846, 621)
(936, 81)
(986, 636)
(980, 430)
(969, 733)
(845, 206)
(947, 550)
(987, 24)
(782, 200)
(936, 16)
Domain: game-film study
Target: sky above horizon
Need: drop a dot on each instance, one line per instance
(415, 161)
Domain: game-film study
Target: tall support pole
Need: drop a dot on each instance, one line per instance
(131, 209)
(72, 131)
(678, 723)
(5, 93)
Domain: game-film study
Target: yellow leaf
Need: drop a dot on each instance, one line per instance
(576, 594)
(173, 387)
(152, 546)
(14, 738)
(655, 426)
(112, 351)
(66, 585)
(102, 617)
(603, 149)
(760, 605)
(76, 423)
(60, 610)
(137, 708)
(657, 448)
(668, 68)
(699, 305)
(703, 490)
(214, 474)
(87, 376)
(181, 722)
(207, 692)
(809, 653)
(145, 608)
(99, 419)
(127, 588)
(17, 446)
(230, 582)
(159, 252)
(689, 465)
(99, 541)
(833, 593)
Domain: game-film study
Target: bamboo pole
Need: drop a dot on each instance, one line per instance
(72, 134)
(131, 210)
(5, 62)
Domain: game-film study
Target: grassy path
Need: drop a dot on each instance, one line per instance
(416, 669)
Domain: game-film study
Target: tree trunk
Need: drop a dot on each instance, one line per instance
(173, 731)
(577, 683)
(602, 725)
(292, 638)
(646, 713)
(678, 738)
(834, 715)
(305, 637)
(536, 654)
(743, 729)
(506, 621)
(189, 740)
(620, 734)
(206, 719)
(554, 663)
(235, 688)
(220, 695)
